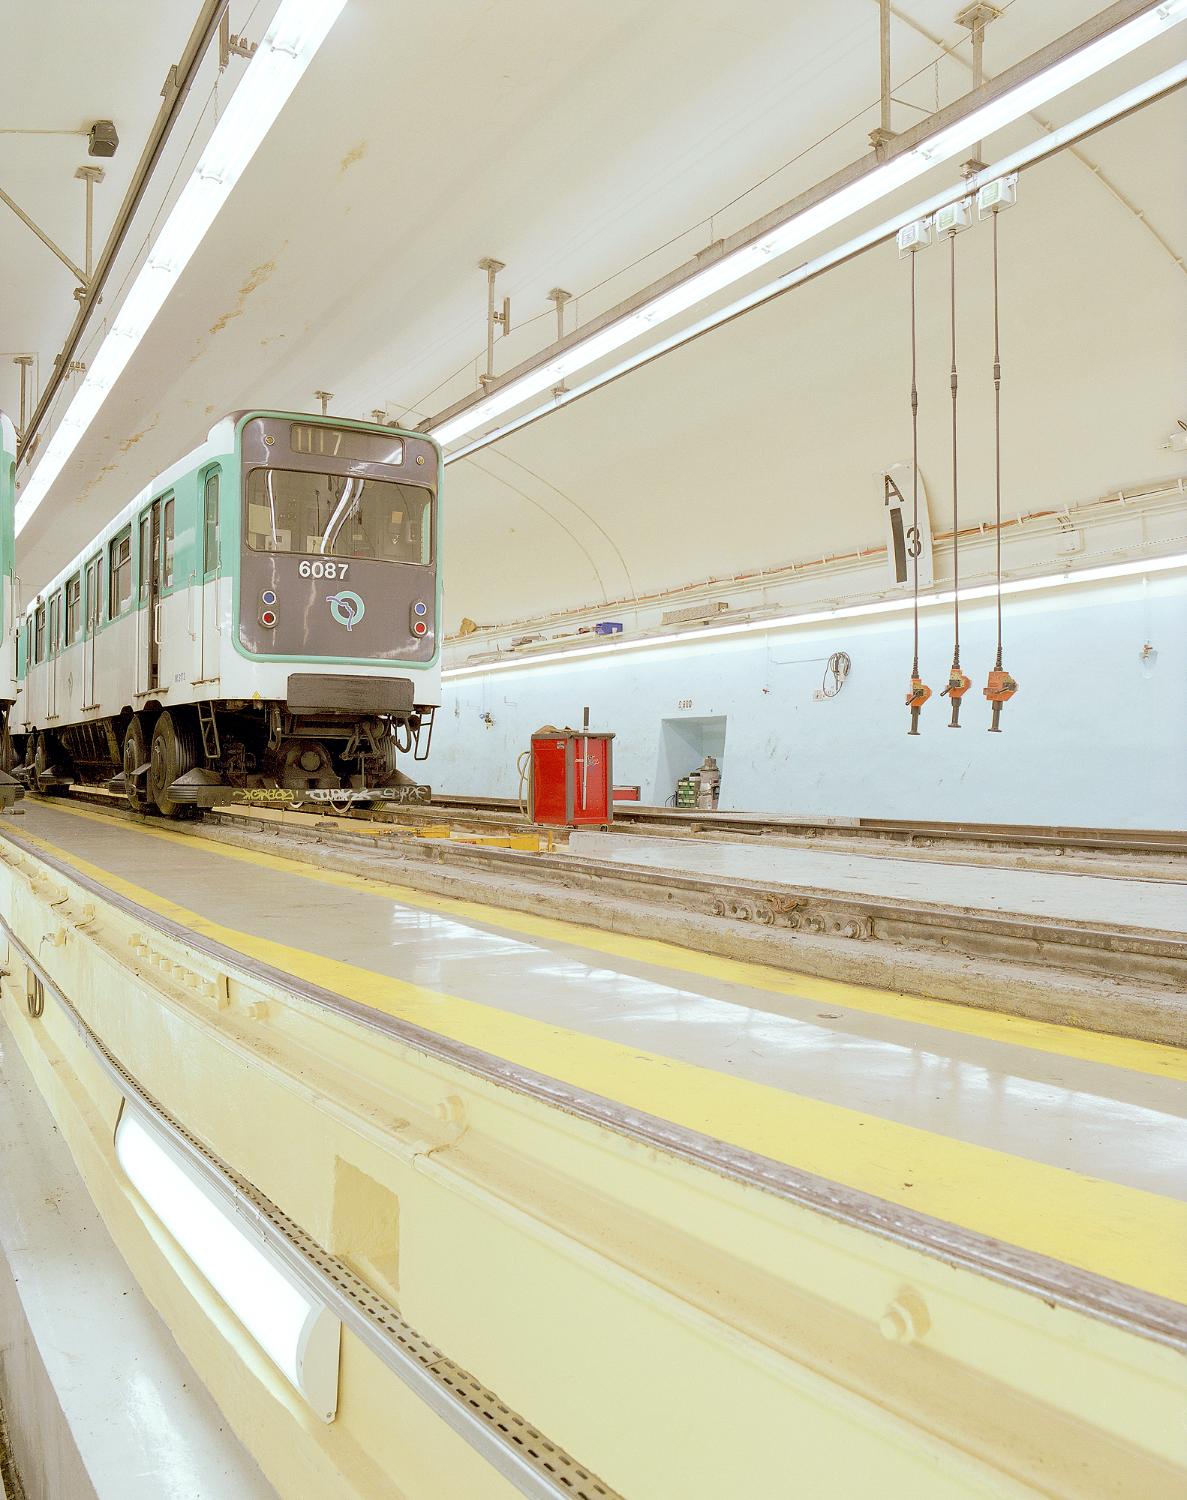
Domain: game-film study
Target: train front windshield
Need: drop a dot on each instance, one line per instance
(339, 515)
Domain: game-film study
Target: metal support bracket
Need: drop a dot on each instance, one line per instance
(883, 135)
(974, 18)
(90, 175)
(494, 318)
(230, 45)
(25, 361)
(76, 271)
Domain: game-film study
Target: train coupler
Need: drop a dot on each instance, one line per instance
(917, 696)
(958, 686)
(1000, 688)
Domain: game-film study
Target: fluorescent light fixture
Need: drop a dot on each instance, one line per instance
(823, 616)
(297, 31)
(298, 1333)
(1037, 151)
(866, 190)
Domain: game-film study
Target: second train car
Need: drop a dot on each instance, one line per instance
(262, 623)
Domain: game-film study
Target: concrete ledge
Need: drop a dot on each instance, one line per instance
(100, 1403)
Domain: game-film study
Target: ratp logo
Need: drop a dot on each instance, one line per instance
(346, 607)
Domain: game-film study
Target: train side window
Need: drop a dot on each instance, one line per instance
(39, 634)
(73, 609)
(145, 555)
(94, 590)
(55, 623)
(119, 573)
(167, 543)
(210, 546)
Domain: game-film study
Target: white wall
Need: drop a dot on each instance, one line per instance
(1094, 736)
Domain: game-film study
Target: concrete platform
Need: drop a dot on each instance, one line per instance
(1160, 905)
(1041, 1135)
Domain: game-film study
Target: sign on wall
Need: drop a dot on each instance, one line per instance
(903, 542)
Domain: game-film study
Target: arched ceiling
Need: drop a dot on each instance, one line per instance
(573, 143)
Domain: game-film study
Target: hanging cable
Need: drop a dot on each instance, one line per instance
(919, 692)
(1001, 686)
(958, 683)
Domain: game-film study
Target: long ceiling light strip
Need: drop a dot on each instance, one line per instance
(286, 50)
(874, 185)
(1028, 156)
(296, 1330)
(823, 616)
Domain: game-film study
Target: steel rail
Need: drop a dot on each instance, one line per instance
(1145, 1314)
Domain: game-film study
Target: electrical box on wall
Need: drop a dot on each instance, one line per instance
(905, 546)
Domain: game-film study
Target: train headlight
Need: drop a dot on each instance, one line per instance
(268, 618)
(419, 625)
(268, 597)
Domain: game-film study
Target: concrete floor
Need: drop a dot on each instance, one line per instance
(855, 1049)
(1119, 901)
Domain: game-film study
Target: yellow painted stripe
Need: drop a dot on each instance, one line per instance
(1153, 1058)
(1124, 1233)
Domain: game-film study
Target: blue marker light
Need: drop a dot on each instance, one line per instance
(268, 596)
(420, 609)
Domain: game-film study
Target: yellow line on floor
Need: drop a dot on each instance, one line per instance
(1124, 1233)
(1155, 1058)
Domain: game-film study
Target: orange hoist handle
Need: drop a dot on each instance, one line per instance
(958, 686)
(1000, 688)
(917, 696)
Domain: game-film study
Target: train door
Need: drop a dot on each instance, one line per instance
(52, 653)
(93, 602)
(208, 626)
(148, 671)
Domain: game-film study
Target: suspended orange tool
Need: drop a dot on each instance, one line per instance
(958, 686)
(917, 696)
(1000, 688)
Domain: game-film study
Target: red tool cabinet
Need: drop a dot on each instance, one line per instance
(572, 777)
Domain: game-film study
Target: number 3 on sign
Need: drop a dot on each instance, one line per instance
(309, 569)
(684, 703)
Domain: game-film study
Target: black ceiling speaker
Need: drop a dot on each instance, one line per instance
(103, 139)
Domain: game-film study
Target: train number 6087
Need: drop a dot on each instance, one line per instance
(323, 569)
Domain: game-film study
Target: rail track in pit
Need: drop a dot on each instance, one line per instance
(1125, 979)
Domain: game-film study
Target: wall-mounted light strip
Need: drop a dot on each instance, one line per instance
(824, 616)
(872, 186)
(1017, 161)
(297, 31)
(298, 1333)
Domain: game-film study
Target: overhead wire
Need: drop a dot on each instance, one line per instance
(918, 693)
(958, 683)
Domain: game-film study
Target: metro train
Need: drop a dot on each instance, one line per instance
(9, 788)
(260, 624)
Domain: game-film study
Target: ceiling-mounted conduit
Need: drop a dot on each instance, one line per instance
(446, 423)
(177, 87)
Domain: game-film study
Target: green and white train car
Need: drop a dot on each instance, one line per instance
(261, 623)
(9, 790)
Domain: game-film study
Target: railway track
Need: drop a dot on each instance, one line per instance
(1126, 979)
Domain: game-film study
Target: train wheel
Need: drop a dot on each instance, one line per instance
(135, 754)
(46, 776)
(174, 751)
